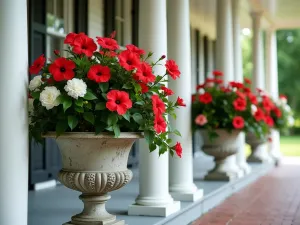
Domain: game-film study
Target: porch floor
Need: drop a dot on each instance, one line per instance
(54, 206)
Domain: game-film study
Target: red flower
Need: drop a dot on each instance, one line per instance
(135, 49)
(158, 105)
(178, 149)
(144, 73)
(205, 98)
(160, 124)
(240, 94)
(144, 87)
(107, 43)
(62, 69)
(283, 96)
(118, 101)
(219, 81)
(172, 69)
(238, 122)
(113, 34)
(110, 54)
(167, 91)
(200, 86)
(248, 81)
(217, 73)
(71, 37)
(129, 60)
(37, 65)
(194, 98)
(180, 102)
(269, 121)
(49, 80)
(246, 89)
(99, 73)
(84, 45)
(267, 104)
(252, 98)
(240, 104)
(270, 139)
(236, 84)
(56, 52)
(225, 89)
(259, 115)
(277, 112)
(259, 90)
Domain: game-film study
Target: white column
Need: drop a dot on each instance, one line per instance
(201, 72)
(154, 198)
(225, 62)
(210, 57)
(181, 184)
(13, 118)
(238, 75)
(272, 86)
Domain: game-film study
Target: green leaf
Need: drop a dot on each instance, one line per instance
(67, 103)
(89, 96)
(137, 117)
(177, 132)
(99, 127)
(109, 128)
(79, 109)
(162, 149)
(127, 86)
(35, 95)
(112, 119)
(89, 116)
(88, 105)
(104, 86)
(100, 106)
(126, 116)
(137, 87)
(79, 102)
(149, 136)
(140, 103)
(72, 122)
(104, 96)
(116, 129)
(61, 127)
(173, 115)
(152, 147)
(169, 141)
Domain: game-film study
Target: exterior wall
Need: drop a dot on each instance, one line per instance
(95, 18)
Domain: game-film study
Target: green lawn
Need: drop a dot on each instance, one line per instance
(289, 146)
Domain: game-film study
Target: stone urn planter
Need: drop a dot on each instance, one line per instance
(259, 149)
(221, 148)
(94, 165)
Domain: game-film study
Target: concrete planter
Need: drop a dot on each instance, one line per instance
(221, 148)
(259, 149)
(95, 165)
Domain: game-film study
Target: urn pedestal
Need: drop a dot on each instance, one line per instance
(95, 165)
(221, 148)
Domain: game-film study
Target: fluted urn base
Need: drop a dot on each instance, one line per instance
(221, 148)
(95, 165)
(259, 149)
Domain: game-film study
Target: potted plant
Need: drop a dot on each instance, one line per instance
(96, 102)
(262, 107)
(221, 111)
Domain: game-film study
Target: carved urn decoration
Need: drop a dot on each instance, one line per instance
(95, 165)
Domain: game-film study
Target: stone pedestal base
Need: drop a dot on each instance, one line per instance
(221, 176)
(259, 154)
(164, 211)
(117, 222)
(187, 197)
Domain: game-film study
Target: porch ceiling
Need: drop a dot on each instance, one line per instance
(280, 14)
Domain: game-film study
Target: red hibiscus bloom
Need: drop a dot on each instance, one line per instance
(144, 73)
(172, 69)
(269, 121)
(194, 98)
(118, 101)
(237, 85)
(238, 122)
(252, 98)
(200, 86)
(225, 89)
(240, 104)
(56, 52)
(219, 81)
(205, 98)
(62, 69)
(259, 115)
(277, 112)
(107, 43)
(178, 149)
(158, 105)
(160, 124)
(217, 73)
(84, 45)
(180, 102)
(71, 37)
(144, 87)
(241, 94)
(283, 96)
(135, 49)
(129, 60)
(248, 81)
(167, 91)
(37, 65)
(267, 104)
(99, 73)
(246, 89)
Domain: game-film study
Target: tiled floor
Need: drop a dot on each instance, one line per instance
(272, 200)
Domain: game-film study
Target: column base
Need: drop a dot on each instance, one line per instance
(116, 222)
(188, 197)
(164, 210)
(257, 159)
(245, 168)
(220, 176)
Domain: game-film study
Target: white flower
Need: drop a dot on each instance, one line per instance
(76, 88)
(287, 108)
(35, 83)
(48, 97)
(253, 109)
(291, 121)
